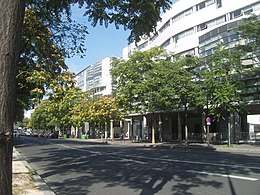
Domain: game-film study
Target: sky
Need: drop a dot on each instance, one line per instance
(101, 42)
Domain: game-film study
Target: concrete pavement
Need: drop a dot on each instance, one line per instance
(27, 181)
(243, 147)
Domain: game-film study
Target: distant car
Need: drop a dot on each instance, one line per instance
(16, 133)
(53, 136)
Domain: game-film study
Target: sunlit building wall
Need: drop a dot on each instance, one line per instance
(96, 78)
(187, 20)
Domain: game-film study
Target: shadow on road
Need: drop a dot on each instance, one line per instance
(144, 171)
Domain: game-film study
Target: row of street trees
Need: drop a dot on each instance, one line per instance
(73, 110)
(36, 35)
(155, 81)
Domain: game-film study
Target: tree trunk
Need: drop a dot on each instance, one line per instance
(11, 20)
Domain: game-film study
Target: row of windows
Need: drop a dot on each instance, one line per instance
(97, 90)
(212, 23)
(189, 11)
(198, 7)
(206, 25)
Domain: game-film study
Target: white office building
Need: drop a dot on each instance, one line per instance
(195, 27)
(182, 26)
(96, 78)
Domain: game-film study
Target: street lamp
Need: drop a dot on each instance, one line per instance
(208, 123)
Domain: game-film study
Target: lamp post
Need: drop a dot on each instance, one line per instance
(111, 130)
(208, 123)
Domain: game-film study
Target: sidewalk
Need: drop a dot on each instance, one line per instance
(243, 147)
(26, 181)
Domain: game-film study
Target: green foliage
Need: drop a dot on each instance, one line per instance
(102, 110)
(249, 31)
(42, 115)
(132, 14)
(131, 79)
(58, 112)
(221, 83)
(49, 35)
(41, 62)
(150, 81)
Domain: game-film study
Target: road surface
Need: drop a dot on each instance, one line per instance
(81, 167)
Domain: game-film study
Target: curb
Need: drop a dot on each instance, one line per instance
(223, 147)
(39, 182)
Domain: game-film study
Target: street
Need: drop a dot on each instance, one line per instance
(82, 167)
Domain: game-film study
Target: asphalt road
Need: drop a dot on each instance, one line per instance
(80, 167)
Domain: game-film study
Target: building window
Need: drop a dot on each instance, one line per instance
(164, 26)
(182, 14)
(202, 26)
(200, 6)
(219, 3)
(247, 10)
(154, 37)
(235, 14)
(209, 2)
(166, 43)
(217, 21)
(184, 34)
(143, 45)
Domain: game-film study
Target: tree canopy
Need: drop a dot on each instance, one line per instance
(49, 35)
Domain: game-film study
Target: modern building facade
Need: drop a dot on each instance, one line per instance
(184, 27)
(96, 78)
(195, 27)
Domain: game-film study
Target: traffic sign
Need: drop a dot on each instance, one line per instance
(208, 121)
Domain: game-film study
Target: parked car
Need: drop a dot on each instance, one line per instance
(53, 136)
(16, 133)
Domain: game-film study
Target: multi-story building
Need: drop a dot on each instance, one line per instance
(185, 27)
(195, 27)
(96, 78)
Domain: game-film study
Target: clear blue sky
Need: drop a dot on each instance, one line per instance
(101, 42)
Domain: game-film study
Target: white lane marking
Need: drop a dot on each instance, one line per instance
(224, 175)
(91, 152)
(126, 160)
(168, 160)
(197, 162)
(100, 153)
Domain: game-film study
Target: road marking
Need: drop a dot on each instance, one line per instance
(164, 159)
(224, 175)
(91, 152)
(196, 162)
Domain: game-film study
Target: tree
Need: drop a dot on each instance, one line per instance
(151, 81)
(101, 111)
(63, 117)
(184, 85)
(220, 85)
(11, 16)
(42, 116)
(42, 58)
(132, 14)
(249, 30)
(250, 47)
(133, 80)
